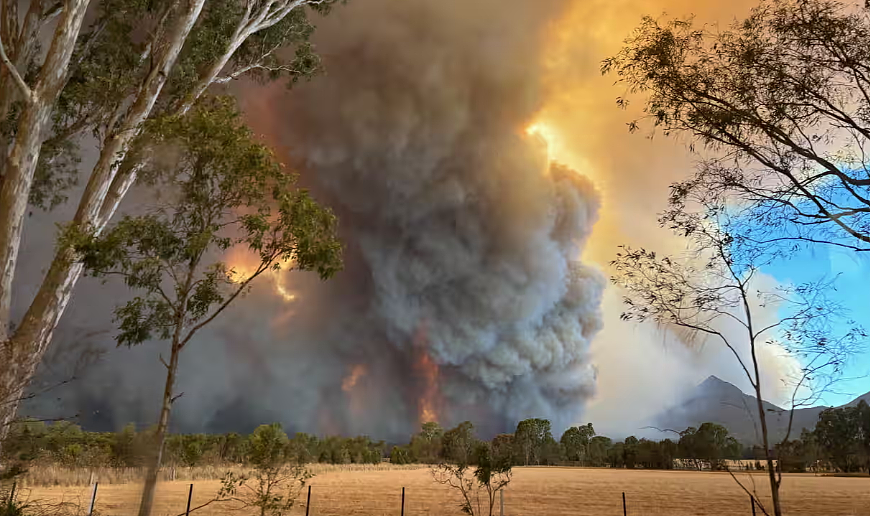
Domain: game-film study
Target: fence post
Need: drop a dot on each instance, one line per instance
(403, 501)
(189, 496)
(308, 502)
(624, 509)
(501, 501)
(752, 501)
(12, 497)
(93, 500)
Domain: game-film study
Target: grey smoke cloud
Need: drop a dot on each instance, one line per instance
(416, 134)
(463, 245)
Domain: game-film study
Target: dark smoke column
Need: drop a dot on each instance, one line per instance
(463, 241)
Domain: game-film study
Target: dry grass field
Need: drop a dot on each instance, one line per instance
(534, 491)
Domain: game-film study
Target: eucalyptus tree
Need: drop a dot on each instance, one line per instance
(777, 107)
(712, 295)
(225, 190)
(133, 61)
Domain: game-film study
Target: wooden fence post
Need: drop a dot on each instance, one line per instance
(93, 500)
(403, 501)
(624, 508)
(189, 497)
(501, 502)
(308, 502)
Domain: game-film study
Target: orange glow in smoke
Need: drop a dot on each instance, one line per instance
(351, 380)
(429, 403)
(429, 371)
(241, 264)
(544, 133)
(557, 149)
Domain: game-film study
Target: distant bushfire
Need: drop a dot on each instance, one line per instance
(351, 380)
(430, 402)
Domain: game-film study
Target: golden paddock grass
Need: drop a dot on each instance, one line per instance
(555, 491)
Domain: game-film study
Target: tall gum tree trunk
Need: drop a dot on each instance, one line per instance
(116, 144)
(20, 164)
(177, 344)
(16, 364)
(150, 487)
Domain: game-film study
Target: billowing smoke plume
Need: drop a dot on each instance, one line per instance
(469, 238)
(462, 298)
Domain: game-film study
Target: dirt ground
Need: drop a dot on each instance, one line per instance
(534, 491)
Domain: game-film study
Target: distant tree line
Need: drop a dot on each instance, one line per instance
(68, 445)
(839, 442)
(533, 444)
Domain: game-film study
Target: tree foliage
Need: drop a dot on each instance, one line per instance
(429, 444)
(474, 469)
(111, 61)
(575, 441)
(534, 442)
(224, 190)
(277, 481)
(708, 443)
(844, 433)
(778, 105)
(221, 189)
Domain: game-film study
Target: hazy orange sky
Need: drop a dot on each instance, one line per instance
(590, 132)
(637, 365)
(640, 370)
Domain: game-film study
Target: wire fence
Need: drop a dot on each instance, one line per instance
(356, 498)
(405, 505)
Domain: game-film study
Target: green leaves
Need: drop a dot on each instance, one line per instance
(266, 446)
(143, 319)
(307, 235)
(268, 48)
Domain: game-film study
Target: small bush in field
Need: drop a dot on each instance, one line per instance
(475, 471)
(275, 483)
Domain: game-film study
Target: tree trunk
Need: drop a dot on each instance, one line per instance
(117, 143)
(774, 485)
(22, 159)
(162, 425)
(19, 170)
(17, 360)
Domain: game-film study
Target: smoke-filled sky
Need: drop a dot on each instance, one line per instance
(475, 281)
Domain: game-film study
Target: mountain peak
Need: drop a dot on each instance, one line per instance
(716, 383)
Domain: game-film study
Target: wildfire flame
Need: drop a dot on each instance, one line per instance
(557, 149)
(544, 133)
(283, 291)
(427, 370)
(241, 264)
(351, 380)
